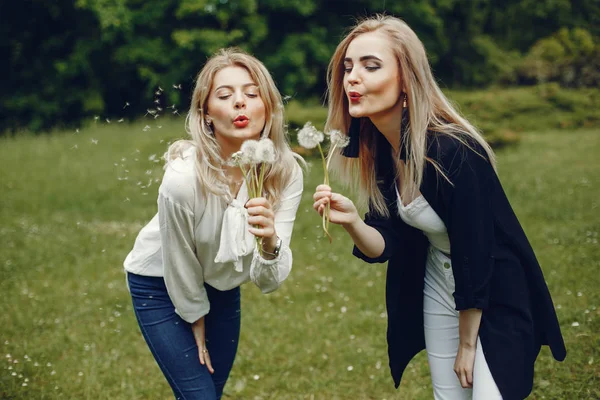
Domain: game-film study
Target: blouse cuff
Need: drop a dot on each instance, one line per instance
(193, 315)
(268, 275)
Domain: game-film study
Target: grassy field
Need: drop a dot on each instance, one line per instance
(72, 204)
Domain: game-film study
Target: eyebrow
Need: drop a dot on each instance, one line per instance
(364, 58)
(231, 87)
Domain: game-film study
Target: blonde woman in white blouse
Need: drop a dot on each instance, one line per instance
(187, 264)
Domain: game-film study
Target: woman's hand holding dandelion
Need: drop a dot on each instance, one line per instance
(252, 159)
(341, 209)
(261, 218)
(309, 137)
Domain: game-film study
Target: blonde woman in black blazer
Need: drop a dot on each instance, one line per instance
(409, 145)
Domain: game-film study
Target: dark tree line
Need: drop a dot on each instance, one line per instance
(65, 60)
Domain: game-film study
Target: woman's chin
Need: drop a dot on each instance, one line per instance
(356, 113)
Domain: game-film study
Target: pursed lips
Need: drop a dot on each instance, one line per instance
(241, 121)
(354, 96)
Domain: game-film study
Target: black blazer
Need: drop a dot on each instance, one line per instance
(494, 266)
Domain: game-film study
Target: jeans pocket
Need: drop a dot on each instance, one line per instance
(448, 273)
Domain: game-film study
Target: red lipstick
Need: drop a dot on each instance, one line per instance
(354, 96)
(241, 121)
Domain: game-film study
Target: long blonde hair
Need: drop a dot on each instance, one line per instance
(430, 112)
(209, 163)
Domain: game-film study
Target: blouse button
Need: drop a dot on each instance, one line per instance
(446, 265)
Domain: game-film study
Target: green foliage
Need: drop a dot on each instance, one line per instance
(502, 114)
(69, 60)
(571, 57)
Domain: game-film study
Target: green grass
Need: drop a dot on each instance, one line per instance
(71, 207)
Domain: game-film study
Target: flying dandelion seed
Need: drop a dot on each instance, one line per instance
(126, 105)
(107, 120)
(121, 120)
(74, 147)
(157, 101)
(177, 86)
(94, 141)
(96, 117)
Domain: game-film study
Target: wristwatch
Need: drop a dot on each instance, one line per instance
(277, 248)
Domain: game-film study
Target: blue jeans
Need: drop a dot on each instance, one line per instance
(172, 342)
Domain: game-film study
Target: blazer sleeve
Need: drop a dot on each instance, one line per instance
(470, 222)
(386, 227)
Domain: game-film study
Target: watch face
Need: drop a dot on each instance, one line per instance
(277, 247)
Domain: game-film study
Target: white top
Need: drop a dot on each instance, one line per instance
(419, 214)
(182, 243)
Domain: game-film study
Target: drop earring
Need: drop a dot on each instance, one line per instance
(207, 123)
(404, 103)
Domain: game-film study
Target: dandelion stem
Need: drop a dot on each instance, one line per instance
(251, 194)
(261, 179)
(329, 158)
(327, 208)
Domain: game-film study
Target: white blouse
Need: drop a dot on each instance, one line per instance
(196, 238)
(419, 214)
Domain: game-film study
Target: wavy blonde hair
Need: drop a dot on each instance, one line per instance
(430, 112)
(209, 163)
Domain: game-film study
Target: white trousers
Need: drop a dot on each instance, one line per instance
(441, 336)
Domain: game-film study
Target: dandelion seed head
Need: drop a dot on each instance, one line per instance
(338, 139)
(236, 159)
(309, 137)
(249, 150)
(265, 151)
